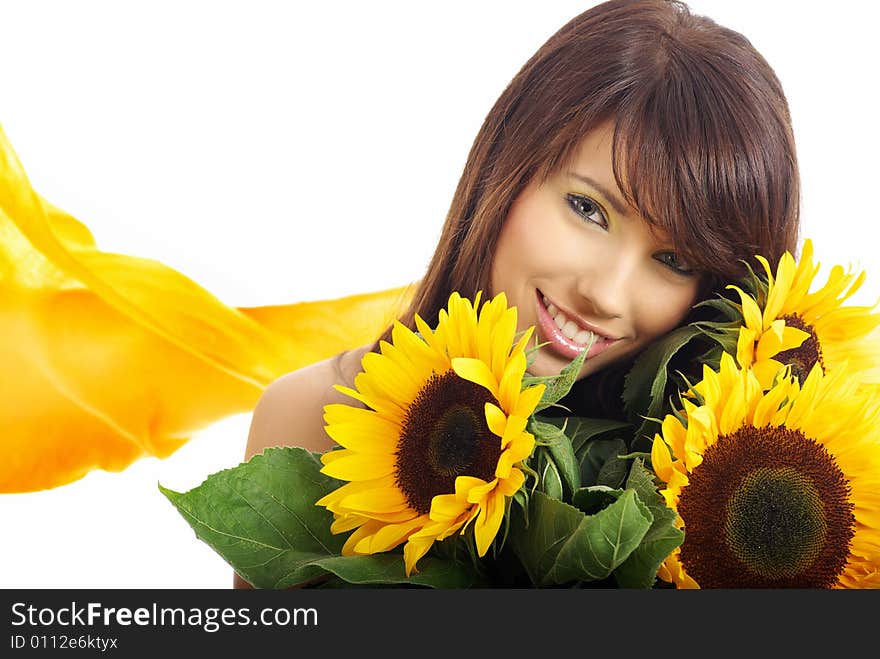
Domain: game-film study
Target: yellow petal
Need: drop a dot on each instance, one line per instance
(487, 524)
(496, 419)
(354, 540)
(503, 342)
(511, 484)
(511, 382)
(331, 499)
(751, 312)
(766, 371)
(413, 550)
(464, 484)
(446, 507)
(778, 338)
(476, 371)
(514, 429)
(378, 500)
(528, 400)
(389, 536)
(359, 467)
(779, 289)
(363, 438)
(675, 435)
(523, 342)
(345, 523)
(661, 460)
(477, 489)
(769, 405)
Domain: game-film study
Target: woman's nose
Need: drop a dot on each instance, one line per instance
(608, 283)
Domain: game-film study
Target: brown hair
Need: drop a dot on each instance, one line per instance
(703, 144)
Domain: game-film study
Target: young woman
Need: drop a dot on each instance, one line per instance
(628, 167)
(622, 175)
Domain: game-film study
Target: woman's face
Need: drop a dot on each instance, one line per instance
(578, 263)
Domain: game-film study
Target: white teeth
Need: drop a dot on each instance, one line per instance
(569, 328)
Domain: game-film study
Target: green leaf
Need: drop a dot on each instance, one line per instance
(726, 311)
(388, 568)
(613, 473)
(594, 456)
(590, 500)
(562, 545)
(261, 518)
(644, 391)
(640, 568)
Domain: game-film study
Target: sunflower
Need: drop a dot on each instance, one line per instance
(777, 488)
(438, 444)
(801, 328)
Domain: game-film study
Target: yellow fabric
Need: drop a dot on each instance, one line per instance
(108, 358)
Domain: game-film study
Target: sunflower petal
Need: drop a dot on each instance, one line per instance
(488, 522)
(779, 289)
(661, 460)
(528, 400)
(778, 338)
(360, 467)
(496, 419)
(476, 371)
(751, 312)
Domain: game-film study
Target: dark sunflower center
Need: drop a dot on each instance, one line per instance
(775, 521)
(444, 435)
(767, 508)
(807, 354)
(452, 445)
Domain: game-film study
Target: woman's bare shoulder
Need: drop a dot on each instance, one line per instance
(290, 411)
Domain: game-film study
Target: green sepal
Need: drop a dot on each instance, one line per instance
(560, 451)
(551, 482)
(557, 386)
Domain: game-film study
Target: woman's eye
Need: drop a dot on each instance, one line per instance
(587, 209)
(675, 263)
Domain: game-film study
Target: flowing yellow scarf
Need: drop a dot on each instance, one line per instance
(106, 358)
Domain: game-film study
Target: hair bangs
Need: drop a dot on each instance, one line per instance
(678, 182)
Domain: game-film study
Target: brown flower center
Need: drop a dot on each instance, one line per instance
(806, 355)
(767, 508)
(445, 435)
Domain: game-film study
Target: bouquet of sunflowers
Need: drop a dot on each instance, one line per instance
(750, 458)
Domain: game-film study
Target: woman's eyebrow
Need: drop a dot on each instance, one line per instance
(613, 199)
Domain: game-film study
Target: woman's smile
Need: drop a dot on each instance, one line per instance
(567, 333)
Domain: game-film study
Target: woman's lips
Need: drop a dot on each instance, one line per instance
(562, 344)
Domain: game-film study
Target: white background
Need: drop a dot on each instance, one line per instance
(276, 152)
